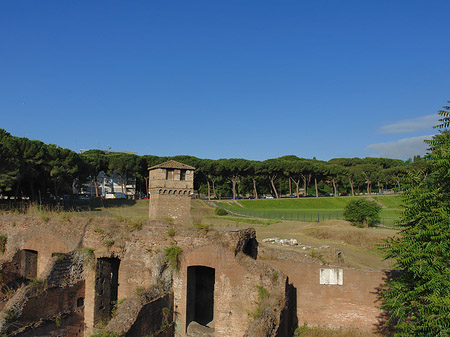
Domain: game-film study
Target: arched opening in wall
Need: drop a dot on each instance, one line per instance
(251, 248)
(29, 262)
(200, 297)
(80, 301)
(106, 288)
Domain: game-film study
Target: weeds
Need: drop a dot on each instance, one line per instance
(37, 284)
(10, 315)
(262, 295)
(203, 228)
(317, 256)
(103, 333)
(135, 224)
(7, 291)
(45, 217)
(220, 212)
(165, 317)
(108, 242)
(173, 256)
(3, 240)
(171, 232)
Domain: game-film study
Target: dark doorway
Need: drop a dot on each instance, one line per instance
(251, 248)
(29, 263)
(200, 295)
(106, 288)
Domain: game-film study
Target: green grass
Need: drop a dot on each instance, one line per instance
(309, 209)
(245, 220)
(390, 201)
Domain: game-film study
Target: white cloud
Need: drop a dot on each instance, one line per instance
(411, 125)
(403, 149)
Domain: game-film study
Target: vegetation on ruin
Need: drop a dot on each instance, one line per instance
(418, 299)
(3, 241)
(173, 257)
(307, 331)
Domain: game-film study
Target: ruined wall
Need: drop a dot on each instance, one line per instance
(354, 304)
(160, 324)
(174, 206)
(57, 300)
(230, 254)
(235, 294)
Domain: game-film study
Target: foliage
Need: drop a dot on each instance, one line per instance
(262, 295)
(103, 333)
(220, 211)
(418, 299)
(362, 212)
(173, 256)
(36, 170)
(203, 228)
(3, 240)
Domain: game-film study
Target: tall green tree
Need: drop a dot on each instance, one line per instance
(418, 300)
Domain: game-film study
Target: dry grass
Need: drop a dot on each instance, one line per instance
(305, 331)
(362, 239)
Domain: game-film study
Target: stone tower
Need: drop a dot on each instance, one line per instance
(171, 185)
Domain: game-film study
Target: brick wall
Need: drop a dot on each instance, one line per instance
(354, 304)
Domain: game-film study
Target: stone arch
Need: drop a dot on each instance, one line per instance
(159, 191)
(180, 192)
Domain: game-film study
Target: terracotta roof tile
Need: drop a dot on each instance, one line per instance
(172, 164)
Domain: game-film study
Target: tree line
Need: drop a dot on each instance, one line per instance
(33, 169)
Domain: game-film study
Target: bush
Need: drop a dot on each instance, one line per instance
(173, 256)
(220, 211)
(361, 212)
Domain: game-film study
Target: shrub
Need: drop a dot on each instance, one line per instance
(361, 212)
(220, 211)
(173, 254)
(3, 241)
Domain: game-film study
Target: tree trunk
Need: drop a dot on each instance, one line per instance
(209, 189)
(255, 191)
(234, 180)
(95, 186)
(290, 187)
(351, 186)
(297, 187)
(272, 178)
(304, 186)
(317, 188)
(335, 188)
(214, 188)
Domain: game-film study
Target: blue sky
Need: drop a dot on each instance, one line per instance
(226, 79)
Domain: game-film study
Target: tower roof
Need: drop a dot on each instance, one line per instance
(172, 164)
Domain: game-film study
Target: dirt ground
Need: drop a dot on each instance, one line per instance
(332, 241)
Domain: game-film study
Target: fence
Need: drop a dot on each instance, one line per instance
(305, 216)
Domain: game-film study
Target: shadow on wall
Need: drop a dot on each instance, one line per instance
(288, 319)
(383, 327)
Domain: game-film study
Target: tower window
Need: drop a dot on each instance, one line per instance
(169, 174)
(182, 174)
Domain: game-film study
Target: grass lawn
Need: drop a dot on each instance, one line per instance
(309, 209)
